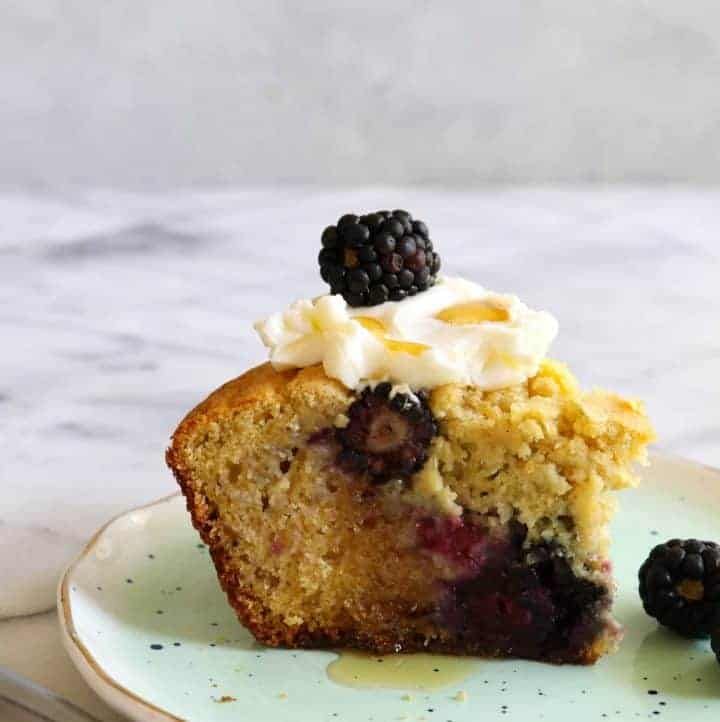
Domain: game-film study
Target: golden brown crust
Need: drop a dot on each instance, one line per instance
(246, 389)
(262, 383)
(261, 397)
(243, 390)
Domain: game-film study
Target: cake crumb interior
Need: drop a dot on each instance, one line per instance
(303, 549)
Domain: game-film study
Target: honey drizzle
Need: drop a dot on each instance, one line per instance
(399, 671)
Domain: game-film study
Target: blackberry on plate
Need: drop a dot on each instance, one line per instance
(386, 437)
(680, 586)
(378, 257)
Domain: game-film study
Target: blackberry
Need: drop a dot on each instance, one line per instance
(387, 438)
(680, 586)
(385, 243)
(378, 294)
(715, 643)
(358, 280)
(406, 247)
(378, 257)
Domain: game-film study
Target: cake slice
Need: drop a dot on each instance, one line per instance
(497, 546)
(410, 472)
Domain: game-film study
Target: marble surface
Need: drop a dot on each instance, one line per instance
(118, 312)
(32, 647)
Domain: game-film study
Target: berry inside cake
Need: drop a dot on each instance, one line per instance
(410, 472)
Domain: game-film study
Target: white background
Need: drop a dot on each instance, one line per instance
(177, 92)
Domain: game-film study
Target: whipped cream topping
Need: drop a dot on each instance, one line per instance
(455, 332)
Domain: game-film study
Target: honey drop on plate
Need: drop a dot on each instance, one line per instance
(400, 671)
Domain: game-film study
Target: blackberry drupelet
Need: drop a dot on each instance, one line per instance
(378, 257)
(680, 586)
(386, 437)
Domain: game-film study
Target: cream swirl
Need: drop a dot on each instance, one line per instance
(455, 332)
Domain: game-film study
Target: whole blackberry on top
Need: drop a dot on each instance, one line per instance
(378, 257)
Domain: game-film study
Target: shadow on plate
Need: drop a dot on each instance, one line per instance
(674, 666)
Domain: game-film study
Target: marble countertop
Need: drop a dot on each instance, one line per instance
(118, 312)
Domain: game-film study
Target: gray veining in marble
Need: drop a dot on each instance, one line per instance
(119, 312)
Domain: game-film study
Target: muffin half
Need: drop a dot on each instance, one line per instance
(410, 472)
(491, 539)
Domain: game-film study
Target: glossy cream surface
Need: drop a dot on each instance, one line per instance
(457, 331)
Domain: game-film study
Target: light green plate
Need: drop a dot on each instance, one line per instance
(148, 627)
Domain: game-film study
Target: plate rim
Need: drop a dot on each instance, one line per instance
(119, 697)
(110, 690)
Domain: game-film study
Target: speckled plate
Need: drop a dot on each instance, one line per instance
(148, 627)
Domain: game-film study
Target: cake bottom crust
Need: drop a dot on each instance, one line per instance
(603, 638)
(383, 645)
